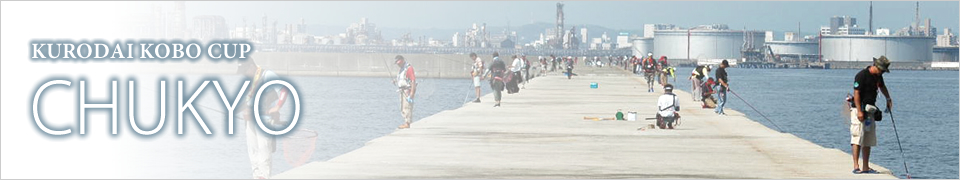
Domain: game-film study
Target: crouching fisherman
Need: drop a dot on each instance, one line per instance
(667, 106)
(260, 145)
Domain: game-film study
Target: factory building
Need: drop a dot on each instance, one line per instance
(946, 49)
(362, 33)
(623, 40)
(842, 25)
(794, 50)
(209, 27)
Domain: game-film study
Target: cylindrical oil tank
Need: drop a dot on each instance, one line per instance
(704, 44)
(642, 46)
(946, 53)
(793, 47)
(865, 48)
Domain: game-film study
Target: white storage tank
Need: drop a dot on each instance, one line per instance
(642, 46)
(867, 47)
(704, 44)
(946, 53)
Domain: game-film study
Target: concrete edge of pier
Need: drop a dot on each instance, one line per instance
(541, 132)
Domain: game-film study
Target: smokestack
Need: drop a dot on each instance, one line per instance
(870, 31)
(559, 24)
(917, 20)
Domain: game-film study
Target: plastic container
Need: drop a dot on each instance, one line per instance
(631, 116)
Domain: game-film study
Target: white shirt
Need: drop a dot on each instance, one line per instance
(478, 66)
(517, 65)
(666, 101)
(706, 73)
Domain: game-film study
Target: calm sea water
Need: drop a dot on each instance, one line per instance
(346, 112)
(807, 103)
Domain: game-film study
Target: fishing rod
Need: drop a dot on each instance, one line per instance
(758, 111)
(385, 65)
(466, 97)
(898, 143)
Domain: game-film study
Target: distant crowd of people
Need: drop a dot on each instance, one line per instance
(513, 76)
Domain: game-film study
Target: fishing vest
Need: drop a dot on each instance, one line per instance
(402, 81)
(262, 76)
(648, 64)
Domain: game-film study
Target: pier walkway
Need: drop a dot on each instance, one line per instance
(541, 133)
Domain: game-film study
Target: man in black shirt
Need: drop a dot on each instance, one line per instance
(722, 87)
(862, 126)
(497, 69)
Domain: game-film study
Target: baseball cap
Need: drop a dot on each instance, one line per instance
(398, 59)
(882, 63)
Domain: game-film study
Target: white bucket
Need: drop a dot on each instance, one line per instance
(631, 116)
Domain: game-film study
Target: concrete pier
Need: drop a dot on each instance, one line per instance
(541, 133)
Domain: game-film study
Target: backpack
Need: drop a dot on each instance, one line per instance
(699, 71)
(708, 86)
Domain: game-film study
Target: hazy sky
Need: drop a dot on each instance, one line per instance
(777, 16)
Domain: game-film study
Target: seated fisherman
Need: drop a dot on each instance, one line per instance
(667, 106)
(706, 91)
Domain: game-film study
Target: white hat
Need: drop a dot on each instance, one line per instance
(649, 54)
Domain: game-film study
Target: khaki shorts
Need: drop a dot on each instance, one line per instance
(476, 81)
(859, 133)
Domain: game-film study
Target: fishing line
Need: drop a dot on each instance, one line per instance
(758, 111)
(390, 75)
(845, 108)
(385, 65)
(425, 85)
(298, 146)
(904, 160)
(466, 96)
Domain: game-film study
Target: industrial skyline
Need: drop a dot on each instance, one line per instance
(917, 36)
(776, 16)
